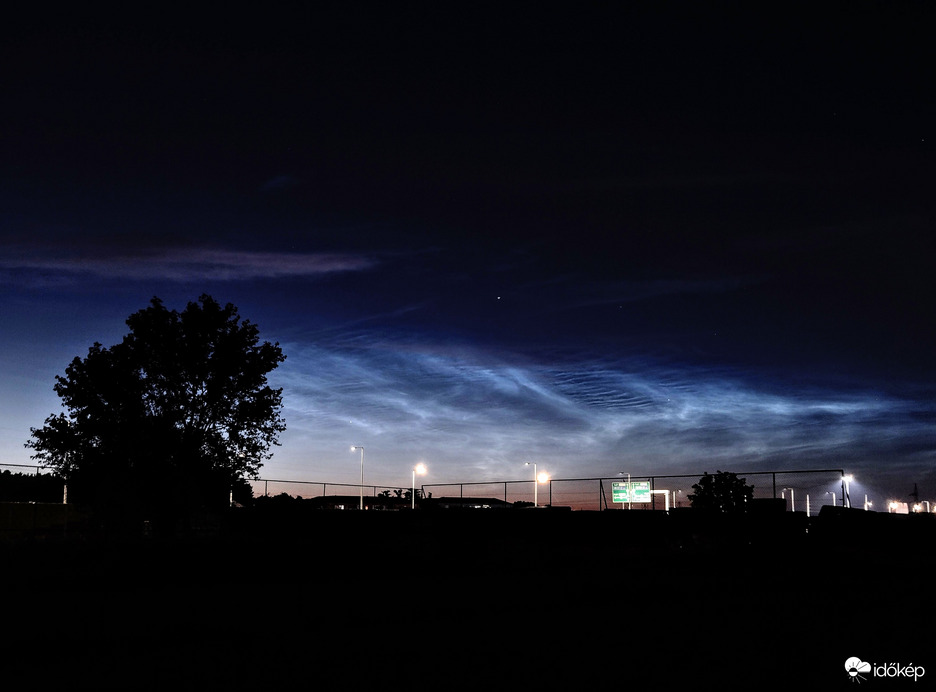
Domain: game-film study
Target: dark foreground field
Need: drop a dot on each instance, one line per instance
(472, 600)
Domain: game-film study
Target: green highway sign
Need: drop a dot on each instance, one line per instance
(637, 491)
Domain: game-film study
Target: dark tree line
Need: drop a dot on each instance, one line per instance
(30, 487)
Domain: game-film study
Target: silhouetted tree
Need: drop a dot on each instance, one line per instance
(283, 499)
(170, 419)
(722, 492)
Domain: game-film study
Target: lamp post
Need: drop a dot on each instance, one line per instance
(535, 497)
(420, 469)
(792, 500)
(621, 473)
(537, 479)
(543, 477)
(833, 497)
(846, 498)
(354, 448)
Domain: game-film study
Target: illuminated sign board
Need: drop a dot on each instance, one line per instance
(637, 491)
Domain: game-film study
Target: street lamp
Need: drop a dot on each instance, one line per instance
(537, 479)
(792, 500)
(535, 500)
(354, 448)
(421, 470)
(621, 473)
(543, 478)
(833, 497)
(846, 499)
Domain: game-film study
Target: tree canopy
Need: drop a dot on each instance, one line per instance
(722, 492)
(174, 416)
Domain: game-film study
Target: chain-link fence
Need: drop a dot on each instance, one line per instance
(30, 483)
(349, 493)
(804, 491)
(22, 468)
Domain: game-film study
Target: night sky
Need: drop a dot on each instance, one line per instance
(658, 241)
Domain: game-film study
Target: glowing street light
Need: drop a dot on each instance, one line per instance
(846, 479)
(537, 479)
(421, 470)
(354, 448)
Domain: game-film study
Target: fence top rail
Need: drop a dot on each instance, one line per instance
(325, 483)
(636, 476)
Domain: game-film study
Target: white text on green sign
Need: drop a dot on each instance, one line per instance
(636, 491)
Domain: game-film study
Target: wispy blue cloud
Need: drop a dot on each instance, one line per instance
(475, 416)
(178, 264)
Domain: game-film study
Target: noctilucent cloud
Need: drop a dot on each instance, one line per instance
(632, 242)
